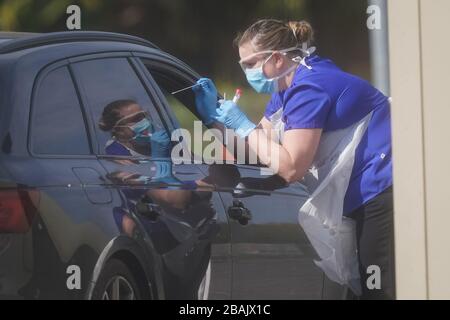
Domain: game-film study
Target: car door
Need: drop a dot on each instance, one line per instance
(272, 257)
(182, 221)
(69, 178)
(165, 76)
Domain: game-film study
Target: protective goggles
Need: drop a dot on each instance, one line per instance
(246, 62)
(132, 118)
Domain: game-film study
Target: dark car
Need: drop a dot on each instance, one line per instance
(85, 217)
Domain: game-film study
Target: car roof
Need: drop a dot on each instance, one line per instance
(15, 35)
(8, 36)
(16, 41)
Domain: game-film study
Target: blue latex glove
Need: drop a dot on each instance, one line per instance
(160, 144)
(232, 117)
(163, 173)
(163, 169)
(206, 100)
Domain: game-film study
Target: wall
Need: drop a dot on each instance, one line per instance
(420, 86)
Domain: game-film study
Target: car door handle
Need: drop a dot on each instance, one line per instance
(149, 210)
(239, 212)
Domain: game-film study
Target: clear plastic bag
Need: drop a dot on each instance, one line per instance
(336, 246)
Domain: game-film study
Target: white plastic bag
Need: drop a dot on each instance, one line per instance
(321, 216)
(337, 249)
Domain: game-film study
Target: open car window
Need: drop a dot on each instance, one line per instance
(170, 79)
(182, 104)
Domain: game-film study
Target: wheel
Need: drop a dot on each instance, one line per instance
(116, 282)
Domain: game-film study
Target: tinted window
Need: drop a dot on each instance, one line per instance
(182, 104)
(169, 80)
(58, 124)
(109, 80)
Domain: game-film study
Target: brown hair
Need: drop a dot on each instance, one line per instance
(111, 114)
(271, 34)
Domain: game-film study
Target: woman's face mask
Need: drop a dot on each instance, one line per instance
(258, 80)
(256, 77)
(141, 128)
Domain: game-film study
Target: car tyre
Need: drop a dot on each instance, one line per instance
(116, 282)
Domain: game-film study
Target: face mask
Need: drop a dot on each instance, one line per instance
(141, 130)
(258, 80)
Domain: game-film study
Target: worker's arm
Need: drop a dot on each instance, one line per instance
(293, 158)
(263, 124)
(290, 160)
(230, 154)
(267, 126)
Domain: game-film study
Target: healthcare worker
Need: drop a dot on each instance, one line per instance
(334, 133)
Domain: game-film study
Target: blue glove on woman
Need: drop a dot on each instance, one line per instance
(232, 117)
(160, 144)
(163, 172)
(206, 100)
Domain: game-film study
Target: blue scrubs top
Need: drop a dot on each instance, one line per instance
(330, 99)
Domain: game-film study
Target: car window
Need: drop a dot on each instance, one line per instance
(58, 125)
(108, 85)
(182, 104)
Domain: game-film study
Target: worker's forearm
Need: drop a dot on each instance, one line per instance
(234, 150)
(275, 156)
(228, 155)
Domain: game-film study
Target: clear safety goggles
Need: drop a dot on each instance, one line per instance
(246, 62)
(132, 118)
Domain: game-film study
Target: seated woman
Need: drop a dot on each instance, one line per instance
(132, 132)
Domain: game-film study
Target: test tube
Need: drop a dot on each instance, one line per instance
(237, 95)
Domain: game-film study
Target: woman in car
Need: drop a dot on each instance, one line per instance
(133, 134)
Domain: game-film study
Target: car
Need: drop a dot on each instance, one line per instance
(81, 219)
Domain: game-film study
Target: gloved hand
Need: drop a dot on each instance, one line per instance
(160, 144)
(232, 117)
(163, 173)
(206, 100)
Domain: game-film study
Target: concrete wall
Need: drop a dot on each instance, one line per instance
(420, 86)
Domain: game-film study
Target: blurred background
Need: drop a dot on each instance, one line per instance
(201, 32)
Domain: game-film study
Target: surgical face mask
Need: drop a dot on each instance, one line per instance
(258, 80)
(141, 129)
(140, 126)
